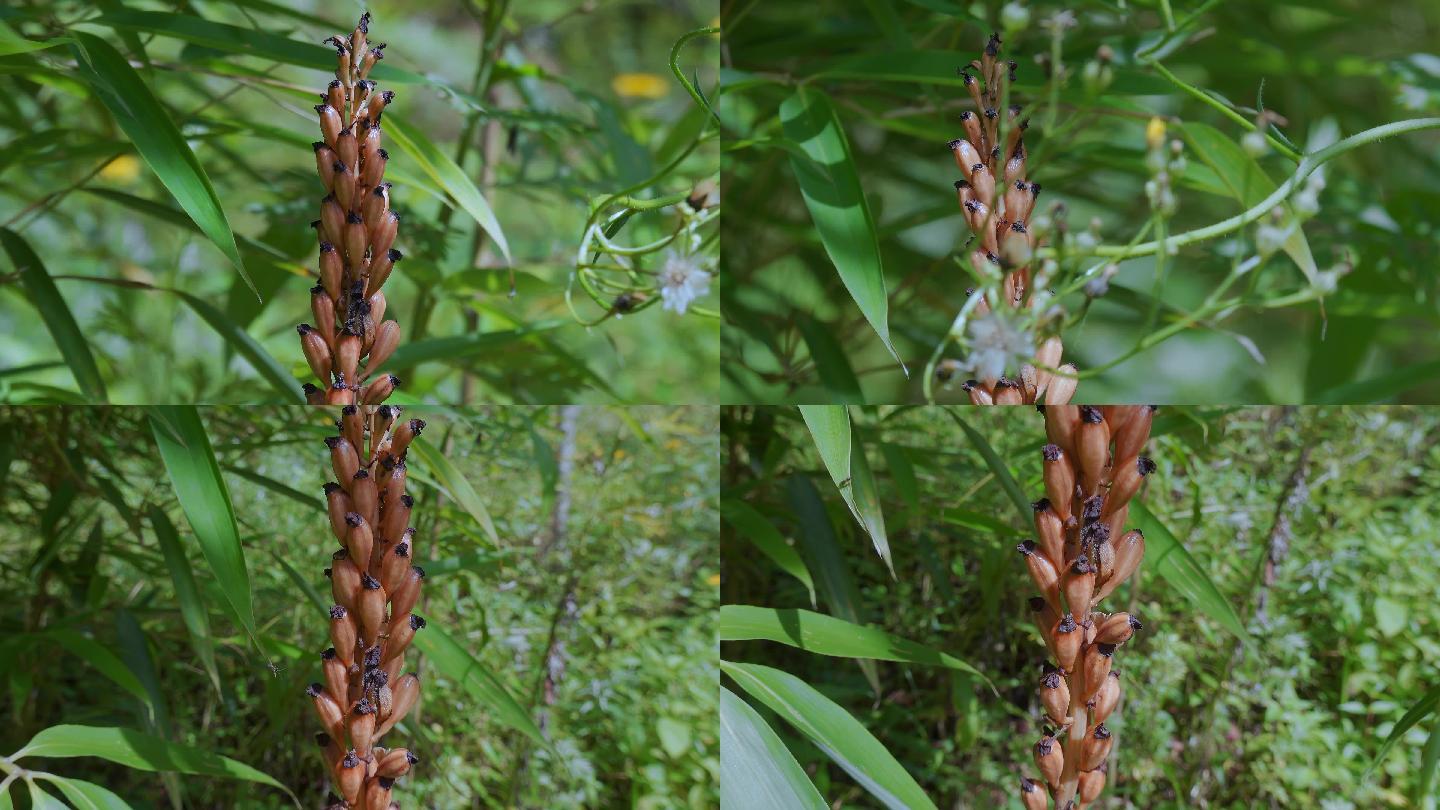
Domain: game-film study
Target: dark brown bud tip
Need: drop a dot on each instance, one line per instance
(360, 475)
(304, 329)
(1044, 745)
(1090, 510)
(318, 145)
(402, 550)
(318, 289)
(310, 388)
(1067, 624)
(992, 48)
(314, 689)
(964, 116)
(408, 500)
(351, 760)
(387, 96)
(364, 707)
(1082, 565)
(326, 247)
(349, 410)
(386, 782)
(330, 487)
(329, 573)
(1041, 505)
(395, 381)
(353, 519)
(1051, 680)
(411, 758)
(1017, 226)
(953, 145)
(1135, 624)
(1006, 382)
(1051, 452)
(370, 583)
(978, 167)
(1144, 465)
(1091, 414)
(320, 108)
(395, 255)
(1027, 785)
(1105, 649)
(1027, 548)
(1035, 189)
(372, 657)
(339, 611)
(315, 223)
(1101, 732)
(417, 426)
(959, 184)
(340, 554)
(990, 112)
(338, 166)
(420, 572)
(354, 218)
(1037, 603)
(322, 739)
(328, 654)
(416, 622)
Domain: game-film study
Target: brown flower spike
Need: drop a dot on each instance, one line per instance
(1092, 468)
(998, 202)
(375, 587)
(350, 339)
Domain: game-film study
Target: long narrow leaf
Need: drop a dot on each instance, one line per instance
(843, 739)
(997, 466)
(747, 521)
(756, 769)
(454, 483)
(844, 459)
(1166, 556)
(1416, 713)
(192, 607)
(458, 664)
(451, 177)
(56, 314)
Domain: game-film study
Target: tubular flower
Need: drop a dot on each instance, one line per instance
(1092, 469)
(998, 202)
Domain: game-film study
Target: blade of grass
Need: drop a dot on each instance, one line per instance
(192, 607)
(56, 314)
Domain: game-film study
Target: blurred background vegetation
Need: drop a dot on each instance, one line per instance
(593, 611)
(1317, 526)
(550, 108)
(794, 334)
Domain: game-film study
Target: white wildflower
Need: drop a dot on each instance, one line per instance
(994, 342)
(682, 280)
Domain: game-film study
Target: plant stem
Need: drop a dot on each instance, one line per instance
(1225, 110)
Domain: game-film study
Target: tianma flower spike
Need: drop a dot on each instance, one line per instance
(1081, 553)
(350, 339)
(365, 691)
(998, 202)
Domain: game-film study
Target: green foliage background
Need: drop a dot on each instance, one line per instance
(542, 133)
(1291, 716)
(605, 639)
(888, 69)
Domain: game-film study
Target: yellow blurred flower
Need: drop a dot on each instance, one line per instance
(618, 454)
(640, 85)
(1155, 132)
(123, 169)
(713, 579)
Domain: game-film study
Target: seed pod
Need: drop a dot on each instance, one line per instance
(1092, 447)
(1080, 586)
(1066, 642)
(329, 711)
(402, 631)
(362, 727)
(350, 777)
(1129, 475)
(379, 390)
(1092, 784)
(330, 124)
(377, 202)
(387, 338)
(332, 220)
(1042, 572)
(1007, 392)
(1059, 479)
(1130, 440)
(1098, 658)
(1060, 422)
(382, 236)
(316, 352)
(1031, 796)
(372, 609)
(1106, 698)
(342, 634)
(377, 792)
(405, 691)
(403, 599)
(1117, 628)
(1050, 760)
(347, 357)
(1045, 618)
(396, 763)
(1062, 386)
(395, 519)
(1096, 748)
(1129, 551)
(1055, 697)
(394, 566)
(345, 581)
(1103, 553)
(1049, 531)
(381, 266)
(343, 458)
(313, 394)
(365, 496)
(337, 678)
(359, 539)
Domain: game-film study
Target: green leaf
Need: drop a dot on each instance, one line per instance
(56, 314)
(101, 658)
(747, 522)
(1418, 712)
(1246, 182)
(457, 347)
(844, 458)
(841, 384)
(756, 769)
(195, 476)
(836, 201)
(302, 583)
(1390, 616)
(841, 737)
(137, 750)
(277, 375)
(827, 635)
(307, 501)
(141, 116)
(88, 796)
(454, 662)
(825, 561)
(40, 800)
(454, 484)
(997, 466)
(1166, 556)
(451, 177)
(1378, 388)
(12, 43)
(192, 607)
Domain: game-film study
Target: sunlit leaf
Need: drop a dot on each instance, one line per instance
(756, 769)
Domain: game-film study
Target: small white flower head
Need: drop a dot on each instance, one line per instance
(994, 342)
(1059, 21)
(1254, 144)
(1270, 238)
(1014, 17)
(682, 280)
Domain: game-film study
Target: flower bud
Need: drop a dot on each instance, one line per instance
(359, 540)
(1050, 760)
(316, 352)
(1130, 439)
(404, 598)
(372, 609)
(402, 630)
(342, 634)
(1129, 551)
(1032, 796)
(1096, 748)
(1092, 448)
(1080, 586)
(379, 390)
(1098, 658)
(1059, 478)
(1049, 531)
(1042, 572)
(345, 581)
(1092, 783)
(1062, 386)
(405, 693)
(328, 709)
(350, 778)
(396, 763)
(343, 459)
(329, 124)
(1117, 628)
(1066, 640)
(1105, 699)
(1055, 697)
(362, 727)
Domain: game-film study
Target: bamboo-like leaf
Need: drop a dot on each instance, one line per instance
(56, 314)
(41, 800)
(144, 120)
(755, 527)
(451, 177)
(836, 374)
(87, 795)
(841, 737)
(1416, 713)
(192, 607)
(195, 476)
(137, 750)
(277, 375)
(827, 635)
(844, 458)
(456, 663)
(997, 466)
(455, 484)
(457, 347)
(12, 43)
(1166, 556)
(102, 659)
(302, 583)
(832, 192)
(756, 769)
